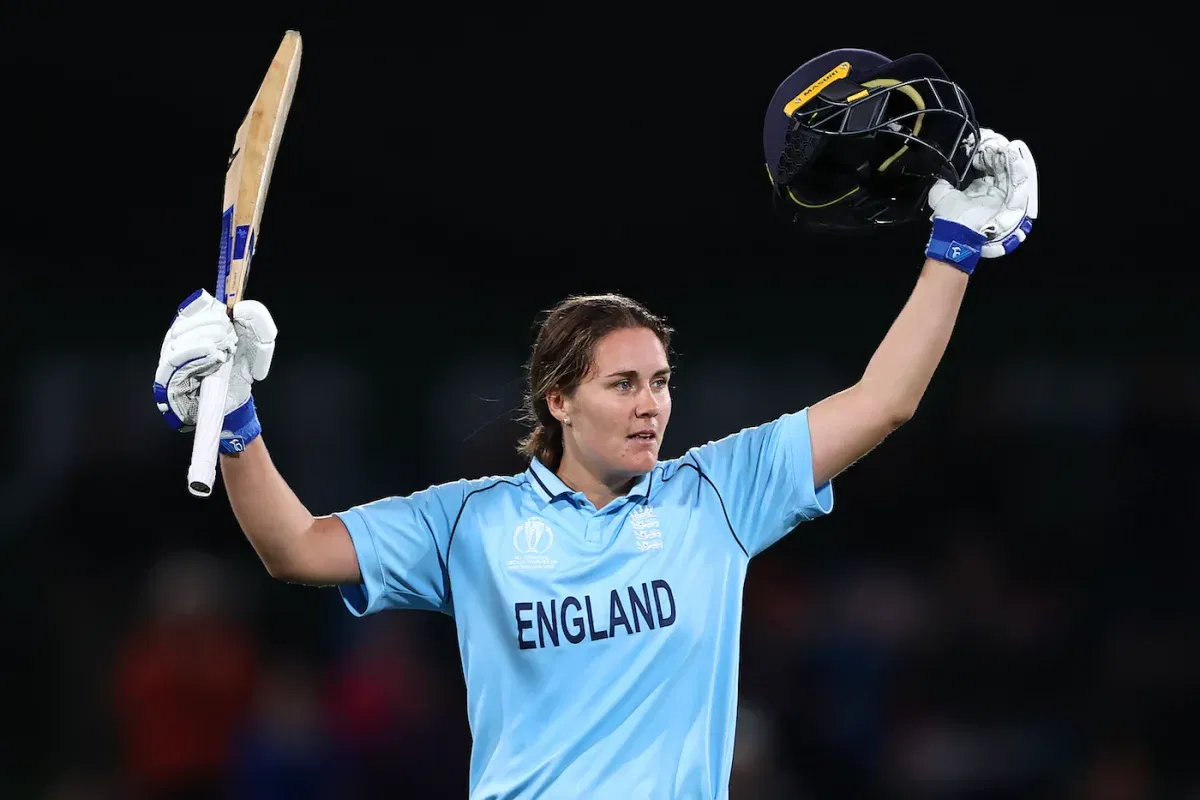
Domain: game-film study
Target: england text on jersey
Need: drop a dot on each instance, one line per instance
(571, 620)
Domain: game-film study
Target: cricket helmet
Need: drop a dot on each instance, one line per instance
(854, 140)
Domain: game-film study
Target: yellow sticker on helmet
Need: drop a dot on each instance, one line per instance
(835, 74)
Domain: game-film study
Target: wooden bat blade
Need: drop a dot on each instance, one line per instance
(251, 164)
(247, 178)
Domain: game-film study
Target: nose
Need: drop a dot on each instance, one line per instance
(647, 405)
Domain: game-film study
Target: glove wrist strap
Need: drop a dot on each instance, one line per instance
(241, 427)
(955, 244)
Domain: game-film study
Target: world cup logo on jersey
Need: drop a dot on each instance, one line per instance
(532, 539)
(533, 536)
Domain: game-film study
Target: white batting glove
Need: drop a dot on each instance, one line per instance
(993, 215)
(200, 339)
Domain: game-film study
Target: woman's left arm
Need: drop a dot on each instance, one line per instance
(988, 219)
(846, 426)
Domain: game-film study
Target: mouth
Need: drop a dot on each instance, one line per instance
(643, 436)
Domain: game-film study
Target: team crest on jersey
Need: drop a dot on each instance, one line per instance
(532, 540)
(645, 528)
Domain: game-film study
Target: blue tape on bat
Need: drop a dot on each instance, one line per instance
(239, 242)
(223, 258)
(243, 246)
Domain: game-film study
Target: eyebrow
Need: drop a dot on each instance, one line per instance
(632, 373)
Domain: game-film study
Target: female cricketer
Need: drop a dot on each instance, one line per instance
(597, 595)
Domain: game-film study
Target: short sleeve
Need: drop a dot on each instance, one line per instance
(401, 544)
(764, 476)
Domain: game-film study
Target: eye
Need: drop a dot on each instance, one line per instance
(623, 384)
(661, 383)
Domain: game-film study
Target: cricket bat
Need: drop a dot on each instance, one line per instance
(247, 177)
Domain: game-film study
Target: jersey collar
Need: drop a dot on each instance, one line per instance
(550, 487)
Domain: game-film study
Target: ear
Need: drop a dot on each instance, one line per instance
(559, 405)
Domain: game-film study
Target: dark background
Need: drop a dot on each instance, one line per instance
(1002, 604)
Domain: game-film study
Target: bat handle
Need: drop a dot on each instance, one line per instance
(210, 416)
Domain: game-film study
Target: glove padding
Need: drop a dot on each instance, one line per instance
(200, 339)
(993, 215)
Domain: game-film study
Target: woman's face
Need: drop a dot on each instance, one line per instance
(614, 421)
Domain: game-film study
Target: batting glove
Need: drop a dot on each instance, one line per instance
(201, 338)
(994, 214)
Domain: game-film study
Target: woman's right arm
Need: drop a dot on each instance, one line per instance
(293, 545)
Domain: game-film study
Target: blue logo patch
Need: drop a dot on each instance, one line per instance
(959, 252)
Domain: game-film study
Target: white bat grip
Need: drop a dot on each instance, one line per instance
(202, 473)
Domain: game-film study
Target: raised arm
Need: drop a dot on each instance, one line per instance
(847, 425)
(988, 219)
(389, 553)
(293, 545)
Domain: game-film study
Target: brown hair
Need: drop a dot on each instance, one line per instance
(562, 357)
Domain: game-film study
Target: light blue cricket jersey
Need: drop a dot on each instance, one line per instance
(600, 648)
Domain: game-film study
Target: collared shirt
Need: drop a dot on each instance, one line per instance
(600, 647)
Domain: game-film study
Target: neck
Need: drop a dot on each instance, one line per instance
(598, 490)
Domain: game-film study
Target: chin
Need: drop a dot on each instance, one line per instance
(641, 463)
